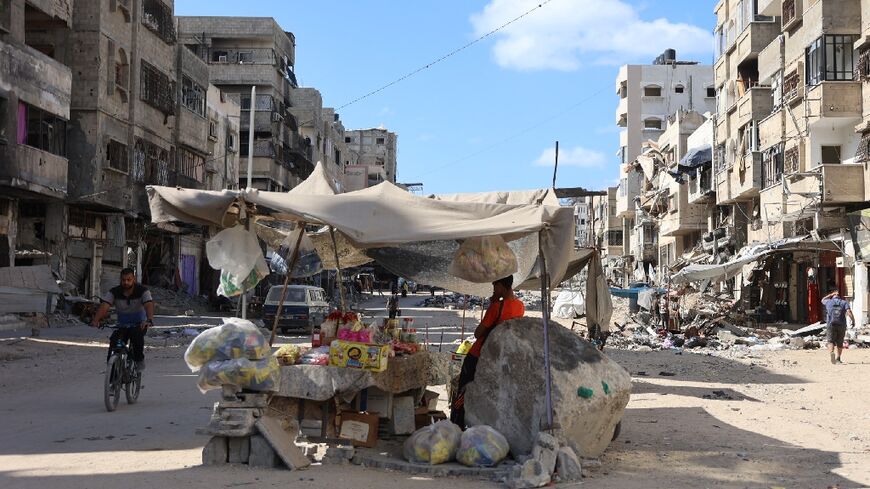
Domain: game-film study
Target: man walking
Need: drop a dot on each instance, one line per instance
(836, 311)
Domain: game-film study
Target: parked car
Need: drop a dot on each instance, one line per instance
(304, 308)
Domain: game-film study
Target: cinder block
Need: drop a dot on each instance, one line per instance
(239, 449)
(215, 451)
(262, 454)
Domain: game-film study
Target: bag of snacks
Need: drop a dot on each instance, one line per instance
(236, 338)
(482, 446)
(433, 444)
(255, 375)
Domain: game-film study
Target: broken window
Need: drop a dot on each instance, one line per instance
(791, 160)
(157, 89)
(831, 155)
(772, 166)
(614, 237)
(711, 92)
(379, 141)
(789, 11)
(157, 17)
(154, 162)
(116, 155)
(219, 56)
(246, 57)
(652, 91)
(86, 225)
(42, 130)
(213, 130)
(652, 123)
(192, 96)
(348, 140)
(790, 85)
(190, 164)
(679, 89)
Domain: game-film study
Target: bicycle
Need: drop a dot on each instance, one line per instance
(120, 370)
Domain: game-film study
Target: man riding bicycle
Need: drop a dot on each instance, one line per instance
(135, 309)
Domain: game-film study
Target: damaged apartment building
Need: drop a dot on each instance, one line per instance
(105, 102)
(779, 171)
(371, 157)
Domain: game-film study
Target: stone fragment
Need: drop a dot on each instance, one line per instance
(590, 391)
(568, 465)
(529, 475)
(262, 454)
(239, 449)
(545, 450)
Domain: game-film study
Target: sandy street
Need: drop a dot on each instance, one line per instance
(776, 419)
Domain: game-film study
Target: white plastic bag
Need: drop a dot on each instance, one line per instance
(434, 444)
(232, 286)
(482, 446)
(234, 251)
(236, 338)
(484, 259)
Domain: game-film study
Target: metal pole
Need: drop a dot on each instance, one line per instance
(244, 300)
(338, 270)
(293, 258)
(556, 166)
(545, 291)
(251, 133)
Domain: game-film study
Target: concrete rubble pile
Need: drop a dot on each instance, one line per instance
(454, 301)
(178, 303)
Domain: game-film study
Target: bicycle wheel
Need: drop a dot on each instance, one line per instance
(112, 385)
(132, 388)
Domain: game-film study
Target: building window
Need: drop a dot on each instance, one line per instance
(614, 237)
(652, 91)
(150, 163)
(652, 123)
(192, 96)
(83, 224)
(116, 155)
(379, 141)
(122, 74)
(789, 11)
(791, 160)
(862, 65)
(219, 56)
(711, 92)
(679, 89)
(157, 89)
(157, 17)
(772, 166)
(348, 140)
(213, 130)
(231, 142)
(863, 153)
(246, 57)
(831, 155)
(190, 164)
(830, 58)
(42, 130)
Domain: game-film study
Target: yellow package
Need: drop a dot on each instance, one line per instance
(363, 356)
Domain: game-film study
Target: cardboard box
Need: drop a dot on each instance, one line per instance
(378, 401)
(363, 356)
(360, 428)
(423, 420)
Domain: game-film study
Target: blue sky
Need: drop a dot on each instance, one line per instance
(486, 118)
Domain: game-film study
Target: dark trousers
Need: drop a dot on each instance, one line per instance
(135, 336)
(466, 375)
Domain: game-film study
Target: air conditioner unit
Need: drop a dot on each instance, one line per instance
(222, 59)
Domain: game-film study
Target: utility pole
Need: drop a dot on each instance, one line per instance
(556, 166)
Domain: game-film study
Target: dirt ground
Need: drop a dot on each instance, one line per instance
(774, 419)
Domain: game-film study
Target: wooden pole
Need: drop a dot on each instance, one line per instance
(556, 166)
(338, 270)
(293, 258)
(545, 295)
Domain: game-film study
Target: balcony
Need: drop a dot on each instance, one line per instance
(686, 219)
(701, 189)
(720, 71)
(35, 170)
(629, 188)
(755, 38)
(741, 181)
(35, 78)
(770, 61)
(622, 113)
(770, 7)
(837, 183)
(756, 104)
(836, 99)
(770, 130)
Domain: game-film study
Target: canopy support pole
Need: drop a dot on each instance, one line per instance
(338, 277)
(293, 258)
(545, 305)
(243, 302)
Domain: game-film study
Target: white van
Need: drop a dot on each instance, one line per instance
(304, 308)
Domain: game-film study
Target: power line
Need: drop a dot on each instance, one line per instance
(519, 133)
(442, 58)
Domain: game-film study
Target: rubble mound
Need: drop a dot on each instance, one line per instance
(590, 391)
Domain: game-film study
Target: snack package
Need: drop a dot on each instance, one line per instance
(482, 446)
(315, 356)
(483, 260)
(433, 444)
(289, 354)
(255, 375)
(236, 338)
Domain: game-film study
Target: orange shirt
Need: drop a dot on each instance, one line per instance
(513, 308)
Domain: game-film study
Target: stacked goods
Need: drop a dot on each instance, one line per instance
(483, 259)
(434, 444)
(482, 446)
(235, 353)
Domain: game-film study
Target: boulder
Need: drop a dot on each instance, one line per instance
(568, 466)
(590, 391)
(529, 475)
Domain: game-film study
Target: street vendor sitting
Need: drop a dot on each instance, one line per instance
(503, 306)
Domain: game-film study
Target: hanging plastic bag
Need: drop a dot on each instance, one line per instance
(255, 375)
(484, 259)
(236, 338)
(231, 286)
(482, 446)
(307, 263)
(234, 251)
(433, 444)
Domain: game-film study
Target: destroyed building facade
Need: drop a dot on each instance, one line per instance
(371, 157)
(782, 155)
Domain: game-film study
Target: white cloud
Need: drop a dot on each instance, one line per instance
(577, 156)
(386, 111)
(564, 35)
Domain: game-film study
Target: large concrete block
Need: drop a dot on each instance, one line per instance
(402, 422)
(215, 451)
(239, 449)
(590, 391)
(262, 454)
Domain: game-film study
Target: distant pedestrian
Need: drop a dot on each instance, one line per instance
(393, 304)
(663, 312)
(836, 311)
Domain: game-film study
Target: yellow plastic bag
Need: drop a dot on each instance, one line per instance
(434, 444)
(260, 375)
